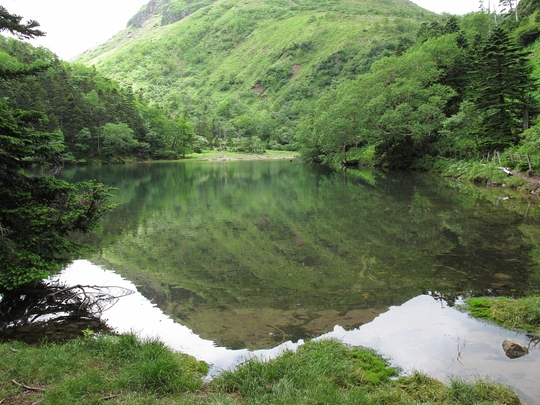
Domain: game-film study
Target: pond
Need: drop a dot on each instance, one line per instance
(254, 256)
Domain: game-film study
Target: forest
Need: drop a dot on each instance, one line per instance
(465, 88)
(415, 90)
(384, 84)
(95, 118)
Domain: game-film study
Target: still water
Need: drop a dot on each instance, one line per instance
(251, 257)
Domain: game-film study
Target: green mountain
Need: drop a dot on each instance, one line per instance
(251, 68)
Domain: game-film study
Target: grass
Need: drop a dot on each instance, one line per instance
(88, 369)
(98, 369)
(478, 172)
(522, 313)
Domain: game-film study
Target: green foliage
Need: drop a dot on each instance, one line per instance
(98, 366)
(522, 313)
(332, 365)
(251, 145)
(473, 94)
(264, 60)
(481, 392)
(480, 308)
(502, 84)
(80, 103)
(118, 139)
(122, 369)
(348, 82)
(12, 23)
(527, 34)
(37, 213)
(394, 109)
(361, 101)
(473, 170)
(328, 372)
(150, 366)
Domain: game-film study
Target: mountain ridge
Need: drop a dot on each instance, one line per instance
(230, 67)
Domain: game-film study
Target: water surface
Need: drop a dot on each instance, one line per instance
(250, 255)
(422, 334)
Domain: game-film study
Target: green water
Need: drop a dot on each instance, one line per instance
(252, 253)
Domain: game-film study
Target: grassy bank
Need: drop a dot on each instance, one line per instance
(521, 314)
(122, 370)
(488, 172)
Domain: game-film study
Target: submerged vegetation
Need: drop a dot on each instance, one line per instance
(121, 369)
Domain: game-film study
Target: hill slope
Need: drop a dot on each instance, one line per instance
(247, 69)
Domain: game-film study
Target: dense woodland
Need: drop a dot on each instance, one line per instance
(93, 116)
(463, 89)
(377, 83)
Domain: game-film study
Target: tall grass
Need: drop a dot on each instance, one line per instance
(125, 370)
(88, 369)
(477, 171)
(327, 372)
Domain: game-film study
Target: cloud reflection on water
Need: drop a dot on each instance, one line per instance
(422, 334)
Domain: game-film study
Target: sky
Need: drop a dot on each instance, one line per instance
(73, 26)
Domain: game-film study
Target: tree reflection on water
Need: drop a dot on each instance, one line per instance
(52, 311)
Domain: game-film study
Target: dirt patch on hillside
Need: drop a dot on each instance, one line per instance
(532, 180)
(259, 89)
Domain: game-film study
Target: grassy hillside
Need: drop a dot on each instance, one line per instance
(249, 68)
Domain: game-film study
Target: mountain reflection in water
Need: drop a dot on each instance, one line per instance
(251, 254)
(422, 334)
(254, 256)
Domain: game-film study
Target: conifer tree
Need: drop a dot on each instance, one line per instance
(501, 87)
(37, 212)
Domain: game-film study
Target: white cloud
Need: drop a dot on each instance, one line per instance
(459, 7)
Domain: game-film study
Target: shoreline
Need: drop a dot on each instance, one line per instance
(235, 156)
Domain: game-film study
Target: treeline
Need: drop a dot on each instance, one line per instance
(465, 88)
(94, 117)
(245, 72)
(456, 87)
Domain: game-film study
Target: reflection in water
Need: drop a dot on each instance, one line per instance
(249, 254)
(53, 311)
(259, 255)
(451, 343)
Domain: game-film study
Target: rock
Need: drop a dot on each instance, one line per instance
(514, 349)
